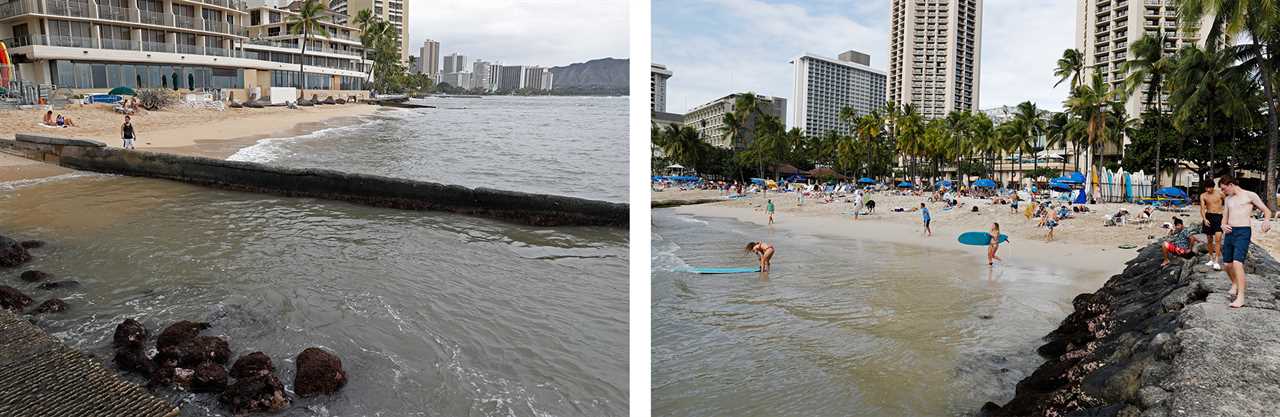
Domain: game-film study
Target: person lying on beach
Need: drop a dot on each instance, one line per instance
(1179, 243)
(994, 245)
(48, 118)
(764, 251)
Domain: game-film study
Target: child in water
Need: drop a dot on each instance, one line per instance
(764, 251)
(994, 245)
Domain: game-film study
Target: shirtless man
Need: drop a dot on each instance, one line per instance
(1238, 219)
(1211, 216)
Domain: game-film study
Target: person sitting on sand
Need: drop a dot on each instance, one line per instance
(994, 245)
(65, 121)
(764, 251)
(48, 118)
(1179, 243)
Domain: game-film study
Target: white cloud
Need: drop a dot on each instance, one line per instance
(543, 32)
(1021, 43)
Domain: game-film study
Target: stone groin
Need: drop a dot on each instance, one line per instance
(533, 209)
(1162, 341)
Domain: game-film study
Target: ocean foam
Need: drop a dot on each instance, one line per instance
(270, 149)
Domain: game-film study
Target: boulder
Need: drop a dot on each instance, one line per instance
(13, 300)
(209, 377)
(12, 253)
(203, 349)
(32, 244)
(256, 394)
(253, 364)
(179, 333)
(59, 284)
(52, 305)
(35, 276)
(132, 359)
(129, 333)
(318, 372)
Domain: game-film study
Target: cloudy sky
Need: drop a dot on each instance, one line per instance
(716, 47)
(529, 32)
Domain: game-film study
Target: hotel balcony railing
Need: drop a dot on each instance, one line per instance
(220, 3)
(16, 8)
(215, 26)
(157, 47)
(114, 13)
(69, 8)
(71, 41)
(217, 51)
(155, 18)
(123, 44)
(184, 22)
(190, 49)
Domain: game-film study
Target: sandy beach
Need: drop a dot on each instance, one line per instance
(1082, 242)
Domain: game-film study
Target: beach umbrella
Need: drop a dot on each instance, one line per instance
(757, 181)
(905, 184)
(984, 183)
(865, 180)
(796, 178)
(1171, 192)
(122, 91)
(1056, 185)
(947, 184)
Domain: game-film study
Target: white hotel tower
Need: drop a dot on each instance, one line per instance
(823, 86)
(934, 49)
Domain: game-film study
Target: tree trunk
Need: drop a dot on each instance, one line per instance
(1159, 138)
(302, 73)
(1272, 132)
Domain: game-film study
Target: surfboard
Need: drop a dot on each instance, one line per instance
(723, 270)
(6, 67)
(979, 238)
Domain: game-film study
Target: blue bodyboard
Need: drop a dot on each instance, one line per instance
(980, 238)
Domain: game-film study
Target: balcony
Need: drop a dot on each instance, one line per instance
(16, 8)
(69, 8)
(69, 41)
(184, 22)
(122, 44)
(190, 49)
(157, 47)
(217, 51)
(155, 18)
(219, 3)
(215, 26)
(114, 13)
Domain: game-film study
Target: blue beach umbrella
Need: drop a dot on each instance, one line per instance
(1056, 185)
(865, 180)
(984, 183)
(905, 184)
(945, 184)
(1171, 192)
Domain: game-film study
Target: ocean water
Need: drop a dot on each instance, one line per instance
(841, 326)
(433, 314)
(574, 146)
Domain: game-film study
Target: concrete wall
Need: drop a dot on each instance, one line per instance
(535, 209)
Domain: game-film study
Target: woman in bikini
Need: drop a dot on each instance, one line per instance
(764, 251)
(994, 245)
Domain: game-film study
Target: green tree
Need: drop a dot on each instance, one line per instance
(307, 22)
(1149, 68)
(1070, 66)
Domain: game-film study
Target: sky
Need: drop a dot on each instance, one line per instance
(717, 47)
(522, 32)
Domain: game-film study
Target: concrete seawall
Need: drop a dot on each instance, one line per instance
(534, 209)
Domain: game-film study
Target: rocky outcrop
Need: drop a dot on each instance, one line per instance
(606, 75)
(209, 377)
(12, 253)
(129, 333)
(178, 333)
(131, 359)
(13, 300)
(35, 276)
(253, 364)
(58, 284)
(258, 394)
(52, 305)
(1161, 342)
(318, 372)
(128, 341)
(202, 349)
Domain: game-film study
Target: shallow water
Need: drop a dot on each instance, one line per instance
(841, 326)
(574, 146)
(431, 313)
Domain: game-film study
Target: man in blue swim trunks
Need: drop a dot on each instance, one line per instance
(1237, 216)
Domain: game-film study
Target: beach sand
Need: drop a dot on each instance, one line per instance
(1082, 242)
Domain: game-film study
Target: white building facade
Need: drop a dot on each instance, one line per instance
(658, 76)
(824, 86)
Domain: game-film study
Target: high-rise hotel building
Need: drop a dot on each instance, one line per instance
(429, 59)
(934, 51)
(394, 11)
(212, 45)
(824, 86)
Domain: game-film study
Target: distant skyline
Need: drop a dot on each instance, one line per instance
(717, 47)
(521, 32)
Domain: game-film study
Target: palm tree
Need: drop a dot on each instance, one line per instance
(1149, 66)
(364, 20)
(1028, 124)
(307, 23)
(1258, 21)
(1070, 66)
(1091, 103)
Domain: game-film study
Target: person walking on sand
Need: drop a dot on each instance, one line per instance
(764, 251)
(994, 245)
(1237, 214)
(857, 204)
(1211, 216)
(769, 208)
(924, 214)
(1050, 221)
(127, 133)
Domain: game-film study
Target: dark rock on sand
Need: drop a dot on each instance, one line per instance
(31, 244)
(132, 359)
(52, 305)
(12, 253)
(13, 300)
(253, 364)
(35, 276)
(319, 372)
(59, 284)
(255, 394)
(209, 377)
(129, 333)
(203, 349)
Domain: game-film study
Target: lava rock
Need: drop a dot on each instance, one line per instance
(318, 372)
(179, 333)
(12, 253)
(52, 305)
(253, 364)
(58, 284)
(209, 377)
(132, 359)
(31, 244)
(203, 349)
(13, 300)
(35, 276)
(129, 333)
(262, 393)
